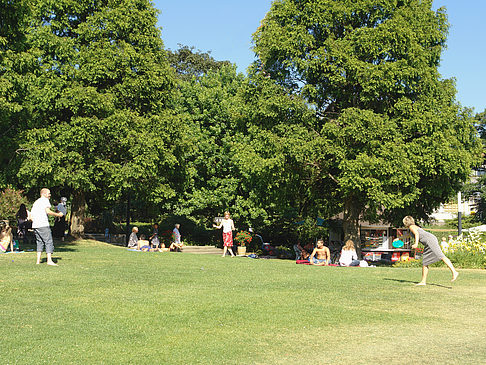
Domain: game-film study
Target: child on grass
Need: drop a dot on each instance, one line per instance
(133, 240)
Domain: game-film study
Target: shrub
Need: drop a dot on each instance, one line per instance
(243, 238)
(408, 263)
(10, 200)
(283, 252)
(468, 251)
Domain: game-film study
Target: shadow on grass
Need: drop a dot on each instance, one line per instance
(416, 282)
(56, 259)
(68, 245)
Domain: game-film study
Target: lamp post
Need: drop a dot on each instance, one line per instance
(459, 214)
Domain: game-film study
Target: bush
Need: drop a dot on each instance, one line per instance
(468, 251)
(10, 200)
(283, 252)
(408, 263)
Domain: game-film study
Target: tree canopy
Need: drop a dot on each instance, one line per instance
(101, 114)
(394, 140)
(344, 111)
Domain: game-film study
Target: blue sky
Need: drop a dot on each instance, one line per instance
(224, 27)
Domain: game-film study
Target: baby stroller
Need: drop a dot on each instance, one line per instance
(266, 247)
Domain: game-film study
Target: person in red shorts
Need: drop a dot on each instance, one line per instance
(228, 228)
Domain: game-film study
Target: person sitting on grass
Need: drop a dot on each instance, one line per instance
(154, 238)
(6, 237)
(323, 255)
(298, 251)
(306, 251)
(348, 255)
(133, 240)
(176, 246)
(143, 244)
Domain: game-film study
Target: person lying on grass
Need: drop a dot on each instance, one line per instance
(176, 246)
(143, 243)
(321, 255)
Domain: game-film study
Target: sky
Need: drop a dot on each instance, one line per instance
(225, 28)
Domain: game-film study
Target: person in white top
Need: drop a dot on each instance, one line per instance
(228, 228)
(348, 255)
(40, 223)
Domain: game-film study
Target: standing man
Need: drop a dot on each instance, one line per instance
(60, 223)
(40, 223)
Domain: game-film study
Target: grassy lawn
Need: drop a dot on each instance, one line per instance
(104, 304)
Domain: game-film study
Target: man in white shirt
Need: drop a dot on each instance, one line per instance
(40, 223)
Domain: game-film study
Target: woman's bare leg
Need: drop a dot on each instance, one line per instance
(225, 248)
(425, 271)
(451, 267)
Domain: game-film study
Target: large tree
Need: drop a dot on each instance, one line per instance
(393, 139)
(15, 64)
(101, 102)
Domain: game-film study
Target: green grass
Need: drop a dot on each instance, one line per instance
(104, 304)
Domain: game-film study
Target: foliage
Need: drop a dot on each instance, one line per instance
(243, 238)
(476, 188)
(10, 200)
(388, 136)
(101, 120)
(473, 243)
(15, 64)
(166, 237)
(213, 182)
(310, 232)
(408, 263)
(284, 252)
(189, 63)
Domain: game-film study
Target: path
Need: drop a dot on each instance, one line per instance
(203, 250)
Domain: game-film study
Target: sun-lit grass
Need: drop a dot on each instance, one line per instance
(104, 304)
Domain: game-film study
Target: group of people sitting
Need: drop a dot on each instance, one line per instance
(153, 244)
(321, 254)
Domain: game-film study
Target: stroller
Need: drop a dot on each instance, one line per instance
(266, 247)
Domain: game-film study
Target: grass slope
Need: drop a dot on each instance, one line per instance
(104, 304)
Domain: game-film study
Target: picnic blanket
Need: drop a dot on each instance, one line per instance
(306, 262)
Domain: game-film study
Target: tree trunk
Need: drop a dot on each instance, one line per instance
(78, 210)
(351, 224)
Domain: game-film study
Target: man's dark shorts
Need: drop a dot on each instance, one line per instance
(43, 237)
